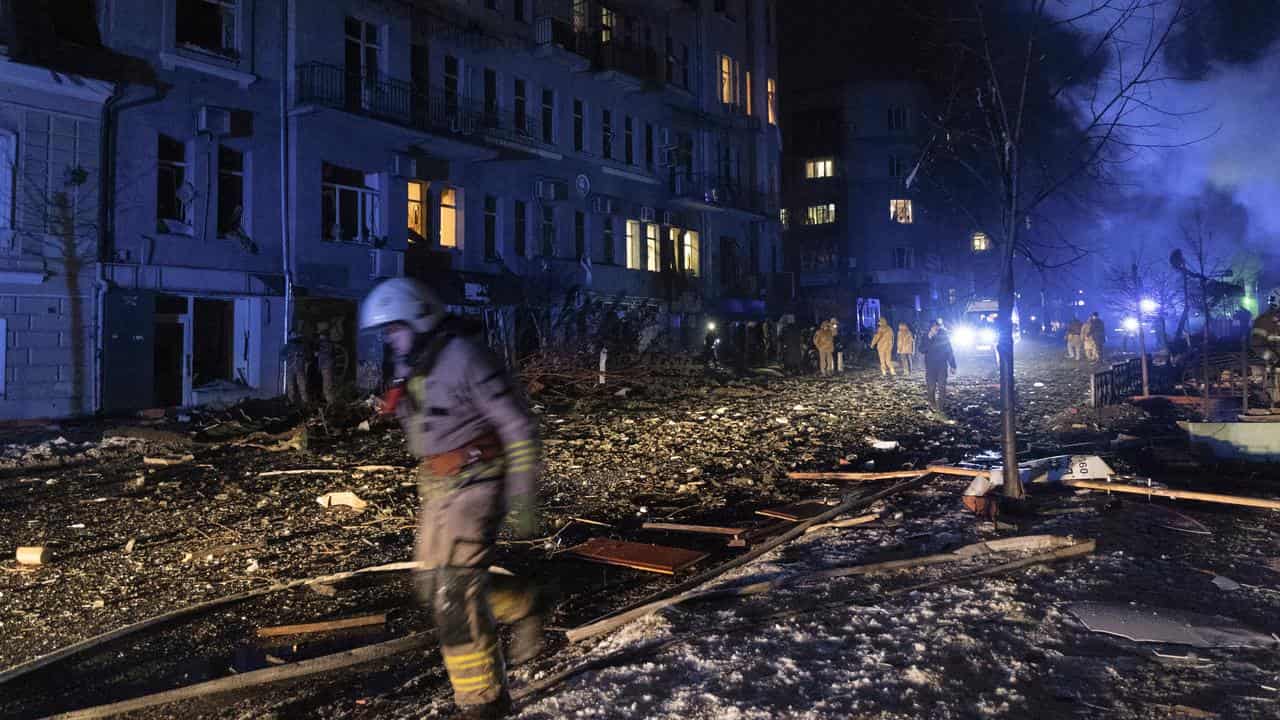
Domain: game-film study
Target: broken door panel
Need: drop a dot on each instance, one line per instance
(127, 350)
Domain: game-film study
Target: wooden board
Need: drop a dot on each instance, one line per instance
(697, 529)
(637, 556)
(328, 626)
(796, 512)
(838, 475)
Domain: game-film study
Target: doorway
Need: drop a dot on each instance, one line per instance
(213, 351)
(168, 360)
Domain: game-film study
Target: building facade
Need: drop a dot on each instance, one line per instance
(860, 230)
(288, 155)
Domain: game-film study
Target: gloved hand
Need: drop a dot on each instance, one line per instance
(524, 517)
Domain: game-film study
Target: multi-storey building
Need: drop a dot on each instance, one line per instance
(859, 232)
(290, 154)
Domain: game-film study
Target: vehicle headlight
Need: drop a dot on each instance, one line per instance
(987, 336)
(964, 336)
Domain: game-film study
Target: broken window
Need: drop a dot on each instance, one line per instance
(350, 204)
(900, 211)
(213, 341)
(231, 195)
(520, 106)
(209, 25)
(173, 193)
(579, 126)
(417, 220)
(449, 217)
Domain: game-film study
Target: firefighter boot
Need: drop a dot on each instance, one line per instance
(527, 640)
(499, 708)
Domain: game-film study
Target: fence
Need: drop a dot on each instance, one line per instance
(1124, 380)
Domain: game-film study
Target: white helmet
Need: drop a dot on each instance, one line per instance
(401, 300)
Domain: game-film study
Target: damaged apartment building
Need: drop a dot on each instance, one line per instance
(277, 159)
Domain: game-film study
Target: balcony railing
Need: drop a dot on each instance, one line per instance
(436, 110)
(616, 55)
(716, 191)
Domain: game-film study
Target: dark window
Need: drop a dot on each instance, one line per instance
(520, 225)
(549, 117)
(648, 145)
(451, 85)
(491, 97)
(579, 127)
(490, 227)
(420, 78)
(629, 141)
(606, 231)
(768, 22)
(207, 24)
(606, 134)
(171, 178)
(520, 105)
(548, 232)
(230, 191)
(904, 258)
(491, 4)
(518, 5)
(684, 66)
(579, 234)
(671, 60)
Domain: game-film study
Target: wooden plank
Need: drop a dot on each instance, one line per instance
(895, 474)
(637, 556)
(851, 522)
(796, 512)
(695, 529)
(323, 664)
(958, 472)
(326, 626)
(655, 601)
(1176, 494)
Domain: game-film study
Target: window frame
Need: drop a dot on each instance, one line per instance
(180, 170)
(632, 231)
(236, 33)
(772, 99)
(904, 258)
(629, 139)
(243, 201)
(821, 214)
(368, 206)
(579, 125)
(653, 247)
(547, 234)
(454, 212)
(490, 229)
(980, 242)
(608, 240)
(416, 236)
(820, 168)
(896, 205)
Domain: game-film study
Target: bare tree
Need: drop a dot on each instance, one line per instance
(1003, 127)
(1201, 266)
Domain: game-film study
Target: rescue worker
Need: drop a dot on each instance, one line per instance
(882, 343)
(1265, 340)
(824, 340)
(480, 461)
(906, 346)
(939, 359)
(709, 343)
(325, 363)
(1094, 335)
(1075, 339)
(296, 356)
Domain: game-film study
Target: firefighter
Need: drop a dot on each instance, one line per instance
(882, 343)
(710, 341)
(824, 340)
(296, 356)
(1094, 335)
(939, 359)
(906, 346)
(479, 462)
(1265, 340)
(325, 363)
(1075, 338)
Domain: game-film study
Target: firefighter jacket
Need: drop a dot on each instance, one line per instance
(906, 340)
(882, 341)
(1094, 330)
(1075, 327)
(825, 340)
(1265, 338)
(458, 394)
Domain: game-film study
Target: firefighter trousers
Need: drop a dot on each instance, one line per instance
(457, 528)
(886, 361)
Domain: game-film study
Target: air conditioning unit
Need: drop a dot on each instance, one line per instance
(386, 264)
(603, 205)
(551, 190)
(404, 166)
(648, 214)
(214, 120)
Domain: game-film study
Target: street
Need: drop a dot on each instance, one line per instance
(133, 539)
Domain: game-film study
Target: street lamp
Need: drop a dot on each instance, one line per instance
(1148, 306)
(1131, 324)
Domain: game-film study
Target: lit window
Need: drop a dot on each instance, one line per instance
(633, 245)
(980, 242)
(822, 168)
(449, 217)
(820, 214)
(773, 101)
(209, 25)
(417, 212)
(691, 261)
(651, 247)
(750, 110)
(606, 25)
(785, 218)
(953, 296)
(900, 211)
(726, 80)
(231, 219)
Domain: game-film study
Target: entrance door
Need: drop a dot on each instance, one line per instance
(127, 350)
(169, 361)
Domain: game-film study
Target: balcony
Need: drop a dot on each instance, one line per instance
(434, 110)
(579, 46)
(717, 193)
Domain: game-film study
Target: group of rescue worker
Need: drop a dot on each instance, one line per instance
(300, 354)
(1087, 340)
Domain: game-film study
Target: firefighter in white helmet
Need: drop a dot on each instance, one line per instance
(479, 462)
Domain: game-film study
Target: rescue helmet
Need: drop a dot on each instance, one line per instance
(402, 300)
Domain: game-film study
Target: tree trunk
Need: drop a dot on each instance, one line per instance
(1204, 343)
(1004, 348)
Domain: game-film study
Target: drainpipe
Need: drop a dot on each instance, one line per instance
(285, 245)
(107, 218)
